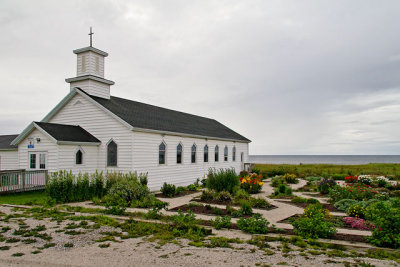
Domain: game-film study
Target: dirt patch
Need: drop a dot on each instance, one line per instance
(183, 193)
(327, 206)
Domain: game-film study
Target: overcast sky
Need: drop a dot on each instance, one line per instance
(295, 77)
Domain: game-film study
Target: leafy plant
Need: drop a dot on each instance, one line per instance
(222, 180)
(223, 196)
(325, 185)
(245, 208)
(356, 210)
(344, 204)
(283, 190)
(313, 223)
(221, 222)
(385, 215)
(168, 190)
(290, 178)
(254, 225)
(207, 195)
(252, 183)
(259, 202)
(304, 200)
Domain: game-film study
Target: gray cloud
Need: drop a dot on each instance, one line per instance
(296, 77)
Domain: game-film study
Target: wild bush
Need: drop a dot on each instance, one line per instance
(221, 222)
(325, 185)
(313, 223)
(259, 202)
(385, 215)
(253, 225)
(304, 200)
(222, 180)
(290, 178)
(356, 210)
(283, 190)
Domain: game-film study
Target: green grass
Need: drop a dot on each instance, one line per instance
(305, 170)
(24, 198)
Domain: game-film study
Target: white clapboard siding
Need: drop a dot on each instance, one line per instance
(90, 62)
(84, 113)
(67, 158)
(145, 158)
(9, 160)
(93, 88)
(45, 145)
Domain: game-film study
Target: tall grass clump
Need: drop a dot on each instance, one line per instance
(64, 186)
(222, 180)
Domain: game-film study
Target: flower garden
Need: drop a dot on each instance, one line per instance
(289, 213)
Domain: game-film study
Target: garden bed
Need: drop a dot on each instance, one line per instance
(336, 220)
(327, 206)
(229, 203)
(183, 193)
(214, 211)
(342, 237)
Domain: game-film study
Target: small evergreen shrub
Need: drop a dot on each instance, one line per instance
(168, 190)
(304, 200)
(276, 181)
(283, 190)
(245, 208)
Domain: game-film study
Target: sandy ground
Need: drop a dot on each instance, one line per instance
(136, 252)
(140, 252)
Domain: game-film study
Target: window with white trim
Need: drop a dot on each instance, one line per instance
(112, 154)
(206, 153)
(226, 153)
(37, 160)
(179, 154)
(161, 153)
(194, 153)
(216, 153)
(79, 157)
(234, 153)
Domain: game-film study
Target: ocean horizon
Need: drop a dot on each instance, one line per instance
(324, 159)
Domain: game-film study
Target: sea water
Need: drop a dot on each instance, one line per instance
(324, 159)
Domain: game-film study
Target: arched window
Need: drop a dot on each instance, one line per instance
(161, 153)
(216, 153)
(226, 153)
(112, 153)
(234, 153)
(78, 157)
(206, 153)
(241, 157)
(179, 154)
(194, 153)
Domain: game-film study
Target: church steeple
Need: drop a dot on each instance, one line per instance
(90, 71)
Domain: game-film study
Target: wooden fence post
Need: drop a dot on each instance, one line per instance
(23, 180)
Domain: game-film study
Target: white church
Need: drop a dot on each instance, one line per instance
(91, 130)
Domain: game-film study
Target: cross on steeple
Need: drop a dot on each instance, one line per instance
(90, 34)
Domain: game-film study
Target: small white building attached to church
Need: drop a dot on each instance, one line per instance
(91, 130)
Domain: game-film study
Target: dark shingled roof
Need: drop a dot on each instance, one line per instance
(68, 133)
(5, 141)
(156, 118)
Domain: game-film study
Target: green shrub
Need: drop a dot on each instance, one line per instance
(338, 176)
(385, 215)
(207, 195)
(290, 178)
(223, 196)
(221, 222)
(325, 185)
(254, 225)
(345, 204)
(168, 190)
(304, 200)
(356, 210)
(245, 208)
(313, 223)
(259, 202)
(283, 190)
(276, 181)
(124, 193)
(222, 180)
(241, 194)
